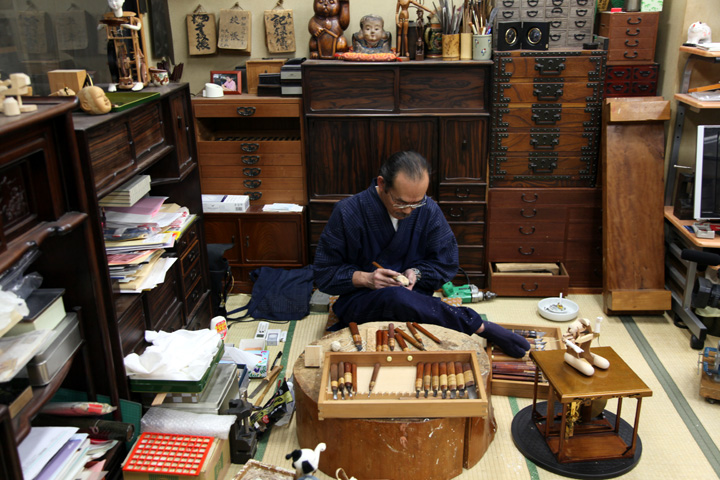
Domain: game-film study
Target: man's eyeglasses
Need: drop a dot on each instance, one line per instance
(408, 205)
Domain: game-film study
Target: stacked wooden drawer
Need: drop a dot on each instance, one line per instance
(631, 53)
(546, 118)
(545, 225)
(571, 21)
(251, 146)
(631, 80)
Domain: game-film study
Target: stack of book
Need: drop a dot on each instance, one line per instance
(291, 77)
(268, 85)
(128, 193)
(136, 238)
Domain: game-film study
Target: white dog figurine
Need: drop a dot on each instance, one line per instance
(699, 32)
(306, 461)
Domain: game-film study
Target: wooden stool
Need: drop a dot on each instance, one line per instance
(436, 448)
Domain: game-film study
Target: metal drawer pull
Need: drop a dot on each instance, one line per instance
(247, 240)
(637, 32)
(534, 198)
(522, 213)
(635, 54)
(250, 159)
(630, 22)
(246, 111)
(251, 172)
(532, 13)
(580, 23)
(522, 230)
(529, 289)
(627, 44)
(254, 195)
(582, 3)
(456, 215)
(556, 24)
(252, 183)
(249, 147)
(533, 3)
(550, 66)
(458, 191)
(532, 250)
(581, 12)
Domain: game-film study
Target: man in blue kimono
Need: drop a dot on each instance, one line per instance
(394, 224)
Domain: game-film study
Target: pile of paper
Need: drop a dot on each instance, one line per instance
(136, 238)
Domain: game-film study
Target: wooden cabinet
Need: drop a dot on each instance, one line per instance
(260, 239)
(45, 207)
(631, 80)
(158, 139)
(251, 146)
(631, 35)
(357, 115)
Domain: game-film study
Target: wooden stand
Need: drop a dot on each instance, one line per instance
(582, 436)
(392, 448)
(632, 189)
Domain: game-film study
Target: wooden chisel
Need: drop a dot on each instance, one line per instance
(401, 343)
(410, 339)
(391, 337)
(426, 378)
(452, 380)
(373, 379)
(435, 378)
(419, 380)
(348, 379)
(275, 370)
(334, 380)
(460, 379)
(443, 379)
(427, 333)
(415, 334)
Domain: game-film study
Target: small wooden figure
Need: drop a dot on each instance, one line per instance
(402, 20)
(17, 85)
(124, 31)
(327, 26)
(577, 339)
(372, 37)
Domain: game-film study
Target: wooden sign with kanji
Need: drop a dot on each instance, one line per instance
(235, 30)
(202, 33)
(279, 31)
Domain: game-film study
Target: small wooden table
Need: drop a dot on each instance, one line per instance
(593, 438)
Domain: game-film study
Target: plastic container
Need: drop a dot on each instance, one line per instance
(57, 350)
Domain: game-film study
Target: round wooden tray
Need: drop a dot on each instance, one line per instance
(436, 448)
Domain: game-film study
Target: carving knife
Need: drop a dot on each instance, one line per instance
(391, 336)
(406, 336)
(357, 339)
(419, 379)
(268, 378)
(469, 380)
(373, 379)
(415, 334)
(452, 380)
(426, 378)
(435, 378)
(429, 335)
(272, 376)
(460, 379)
(401, 343)
(334, 380)
(443, 379)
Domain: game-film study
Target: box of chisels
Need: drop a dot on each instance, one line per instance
(395, 384)
(515, 377)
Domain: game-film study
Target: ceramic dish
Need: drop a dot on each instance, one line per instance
(558, 309)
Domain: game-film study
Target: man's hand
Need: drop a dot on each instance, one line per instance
(410, 274)
(380, 278)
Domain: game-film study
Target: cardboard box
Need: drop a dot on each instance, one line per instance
(256, 67)
(225, 203)
(216, 465)
(523, 388)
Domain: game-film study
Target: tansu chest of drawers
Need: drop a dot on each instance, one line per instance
(545, 121)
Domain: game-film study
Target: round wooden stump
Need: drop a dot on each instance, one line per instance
(436, 448)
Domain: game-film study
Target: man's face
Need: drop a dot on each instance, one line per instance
(372, 31)
(404, 194)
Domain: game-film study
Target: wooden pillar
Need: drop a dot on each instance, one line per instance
(633, 141)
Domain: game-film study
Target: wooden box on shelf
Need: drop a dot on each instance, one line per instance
(395, 397)
(528, 284)
(522, 387)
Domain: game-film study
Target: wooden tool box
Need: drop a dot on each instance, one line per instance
(394, 395)
(523, 387)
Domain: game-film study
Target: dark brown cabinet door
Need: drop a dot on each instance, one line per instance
(463, 150)
(183, 134)
(275, 241)
(339, 151)
(224, 228)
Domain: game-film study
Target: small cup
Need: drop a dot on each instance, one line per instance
(482, 47)
(159, 77)
(451, 46)
(465, 46)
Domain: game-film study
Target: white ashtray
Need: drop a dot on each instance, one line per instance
(558, 309)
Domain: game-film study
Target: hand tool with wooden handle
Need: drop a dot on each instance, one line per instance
(418, 379)
(265, 381)
(406, 336)
(373, 379)
(435, 378)
(460, 379)
(272, 376)
(415, 334)
(385, 340)
(452, 380)
(378, 340)
(443, 379)
(354, 378)
(334, 379)
(401, 279)
(469, 380)
(426, 378)
(348, 379)
(357, 339)
(425, 331)
(401, 343)
(341, 379)
(391, 337)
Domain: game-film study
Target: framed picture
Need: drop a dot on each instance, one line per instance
(230, 81)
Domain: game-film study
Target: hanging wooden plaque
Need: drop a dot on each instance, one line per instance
(71, 30)
(279, 31)
(235, 31)
(33, 27)
(202, 33)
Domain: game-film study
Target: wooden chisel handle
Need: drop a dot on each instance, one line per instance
(407, 337)
(378, 341)
(401, 343)
(357, 339)
(271, 380)
(391, 336)
(452, 381)
(385, 339)
(334, 379)
(419, 378)
(443, 378)
(373, 378)
(414, 332)
(348, 376)
(425, 331)
(459, 377)
(354, 377)
(435, 377)
(468, 375)
(426, 377)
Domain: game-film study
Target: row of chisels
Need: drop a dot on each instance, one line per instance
(388, 340)
(451, 380)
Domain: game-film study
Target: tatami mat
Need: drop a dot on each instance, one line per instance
(679, 430)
